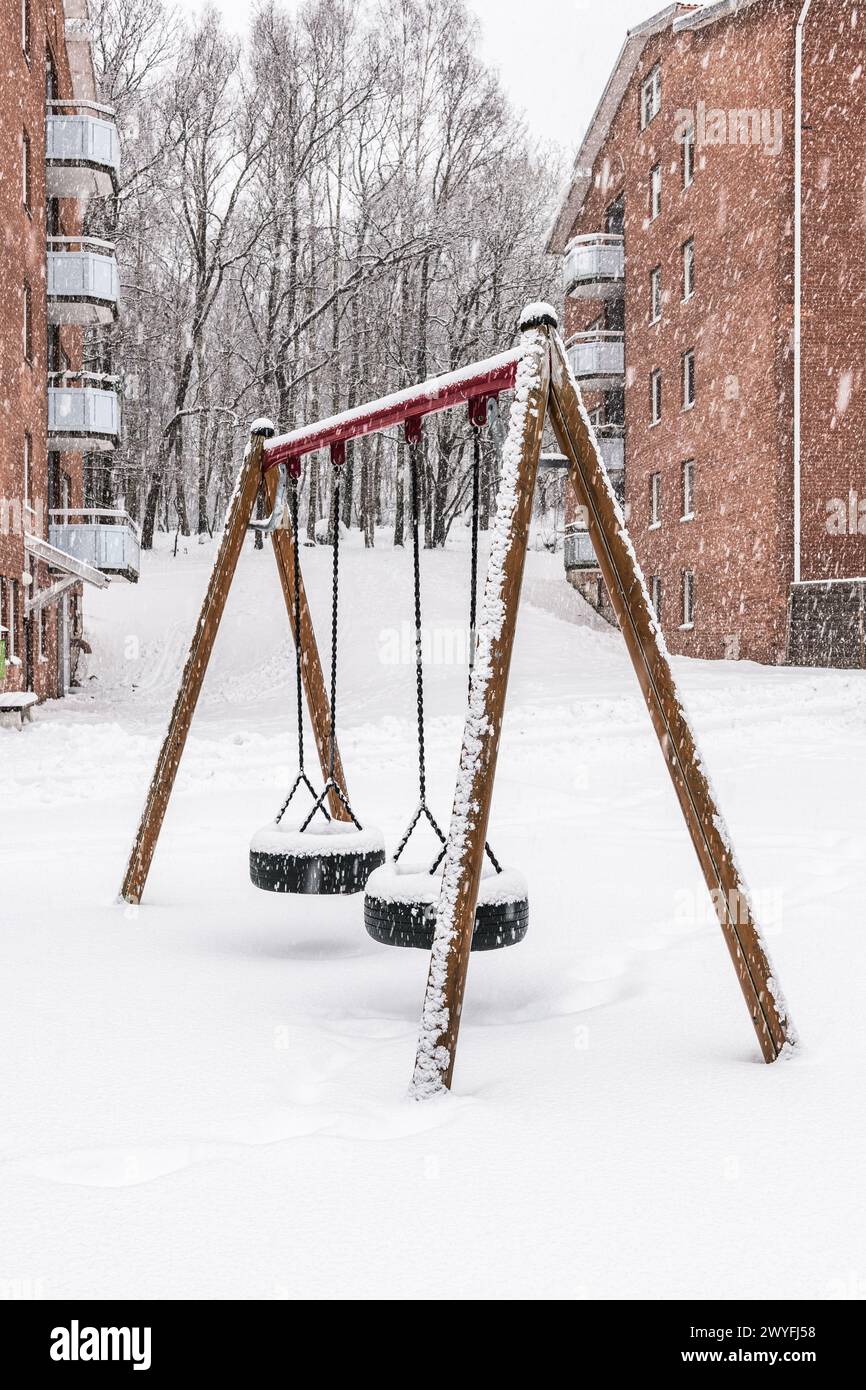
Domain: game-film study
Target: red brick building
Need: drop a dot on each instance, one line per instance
(58, 148)
(714, 241)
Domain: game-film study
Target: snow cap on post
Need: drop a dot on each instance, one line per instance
(538, 315)
(264, 427)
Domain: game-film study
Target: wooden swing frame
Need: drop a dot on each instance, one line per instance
(544, 388)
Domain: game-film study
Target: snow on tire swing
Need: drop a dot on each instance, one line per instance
(336, 857)
(400, 907)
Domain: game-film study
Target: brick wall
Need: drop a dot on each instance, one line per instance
(834, 292)
(23, 400)
(739, 210)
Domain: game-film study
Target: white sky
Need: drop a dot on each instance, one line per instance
(554, 55)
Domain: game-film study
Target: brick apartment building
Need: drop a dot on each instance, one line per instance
(58, 148)
(714, 259)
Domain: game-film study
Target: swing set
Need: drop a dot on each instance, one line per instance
(465, 900)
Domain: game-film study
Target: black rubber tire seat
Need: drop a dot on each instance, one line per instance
(400, 907)
(335, 857)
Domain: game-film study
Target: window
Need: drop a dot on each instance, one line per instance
(656, 596)
(52, 87)
(688, 157)
(26, 195)
(43, 633)
(28, 324)
(655, 294)
(688, 599)
(615, 217)
(656, 397)
(11, 618)
(655, 192)
(688, 490)
(25, 27)
(28, 451)
(614, 407)
(688, 379)
(655, 499)
(651, 97)
(688, 269)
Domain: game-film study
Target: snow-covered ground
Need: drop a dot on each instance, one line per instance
(206, 1096)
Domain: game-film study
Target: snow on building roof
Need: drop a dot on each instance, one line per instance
(677, 17)
(708, 14)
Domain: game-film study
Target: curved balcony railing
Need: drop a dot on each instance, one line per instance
(611, 442)
(108, 540)
(597, 359)
(83, 412)
(82, 150)
(578, 550)
(82, 284)
(593, 267)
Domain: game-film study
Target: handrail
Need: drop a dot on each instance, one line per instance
(82, 241)
(64, 378)
(597, 335)
(82, 104)
(63, 514)
(595, 239)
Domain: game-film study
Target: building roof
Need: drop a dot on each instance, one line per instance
(677, 17)
(708, 14)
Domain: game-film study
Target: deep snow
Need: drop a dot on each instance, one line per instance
(206, 1096)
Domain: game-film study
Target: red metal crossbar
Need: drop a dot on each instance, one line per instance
(479, 379)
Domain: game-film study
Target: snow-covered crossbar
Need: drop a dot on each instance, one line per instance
(478, 379)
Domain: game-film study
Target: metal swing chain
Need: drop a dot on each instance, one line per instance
(302, 778)
(473, 582)
(335, 601)
(332, 785)
(473, 590)
(422, 808)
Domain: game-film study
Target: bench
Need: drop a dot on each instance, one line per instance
(16, 707)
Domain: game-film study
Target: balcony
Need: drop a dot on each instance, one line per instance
(82, 150)
(83, 417)
(593, 267)
(611, 443)
(83, 285)
(597, 359)
(108, 541)
(579, 552)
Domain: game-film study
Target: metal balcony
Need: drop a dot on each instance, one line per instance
(83, 285)
(82, 150)
(83, 416)
(611, 442)
(108, 541)
(597, 359)
(579, 552)
(593, 267)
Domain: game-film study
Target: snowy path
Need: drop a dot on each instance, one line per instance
(205, 1097)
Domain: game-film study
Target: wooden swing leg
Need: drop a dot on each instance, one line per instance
(312, 677)
(464, 855)
(631, 603)
(239, 513)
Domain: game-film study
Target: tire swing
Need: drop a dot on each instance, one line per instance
(400, 902)
(340, 855)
